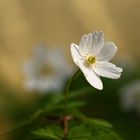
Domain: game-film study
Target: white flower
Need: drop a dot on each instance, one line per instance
(92, 56)
(47, 70)
(130, 96)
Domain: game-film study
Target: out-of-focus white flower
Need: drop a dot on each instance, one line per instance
(92, 56)
(47, 70)
(130, 96)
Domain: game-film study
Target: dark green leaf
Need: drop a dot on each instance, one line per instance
(50, 132)
(94, 121)
(90, 132)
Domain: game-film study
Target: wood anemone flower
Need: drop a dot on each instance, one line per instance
(92, 56)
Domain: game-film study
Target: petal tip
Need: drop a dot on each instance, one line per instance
(73, 45)
(100, 88)
(121, 70)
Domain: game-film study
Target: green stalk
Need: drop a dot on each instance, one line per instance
(66, 103)
(67, 89)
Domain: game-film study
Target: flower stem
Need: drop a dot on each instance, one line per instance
(66, 103)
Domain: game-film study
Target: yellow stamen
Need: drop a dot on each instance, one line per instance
(91, 60)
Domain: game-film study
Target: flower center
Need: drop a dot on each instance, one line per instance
(45, 70)
(91, 60)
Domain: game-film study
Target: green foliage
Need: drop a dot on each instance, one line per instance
(54, 106)
(52, 132)
(59, 98)
(94, 121)
(83, 128)
(77, 131)
(51, 109)
(55, 103)
(91, 132)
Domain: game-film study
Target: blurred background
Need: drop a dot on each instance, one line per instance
(58, 23)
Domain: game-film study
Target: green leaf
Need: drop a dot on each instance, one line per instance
(94, 121)
(74, 104)
(60, 107)
(50, 132)
(111, 135)
(59, 98)
(90, 132)
(98, 122)
(80, 92)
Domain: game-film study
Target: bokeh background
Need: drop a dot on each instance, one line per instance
(25, 23)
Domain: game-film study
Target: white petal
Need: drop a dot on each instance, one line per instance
(91, 77)
(55, 58)
(91, 43)
(30, 69)
(50, 83)
(97, 43)
(107, 69)
(108, 51)
(75, 54)
(39, 54)
(30, 84)
(83, 48)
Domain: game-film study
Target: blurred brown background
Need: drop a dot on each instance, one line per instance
(25, 23)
